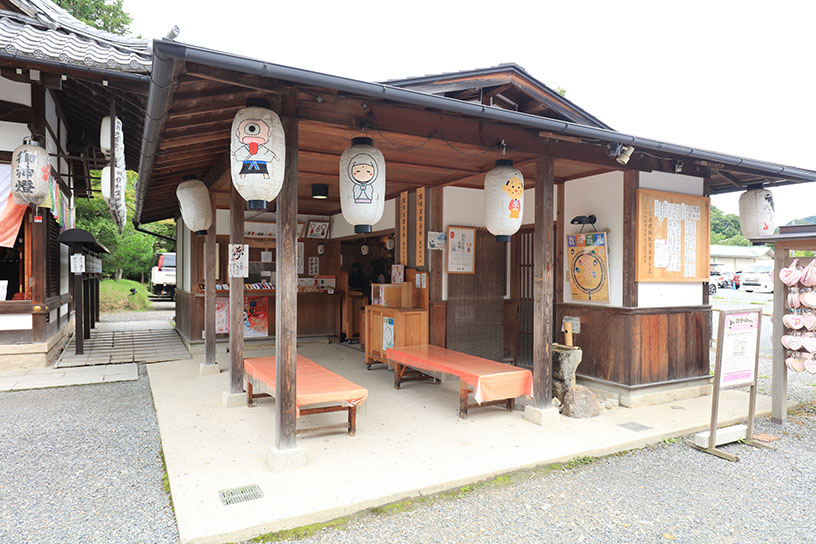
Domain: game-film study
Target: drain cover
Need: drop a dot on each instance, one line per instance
(633, 426)
(240, 494)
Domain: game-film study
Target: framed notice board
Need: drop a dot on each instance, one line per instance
(672, 237)
(461, 250)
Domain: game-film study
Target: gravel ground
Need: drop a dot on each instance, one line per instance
(159, 311)
(83, 464)
(665, 493)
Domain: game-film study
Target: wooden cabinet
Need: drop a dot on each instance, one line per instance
(409, 327)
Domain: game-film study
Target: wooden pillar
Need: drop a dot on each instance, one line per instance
(438, 315)
(96, 298)
(92, 301)
(79, 337)
(236, 298)
(286, 294)
(209, 293)
(631, 181)
(560, 232)
(779, 372)
(86, 307)
(706, 192)
(543, 283)
(39, 243)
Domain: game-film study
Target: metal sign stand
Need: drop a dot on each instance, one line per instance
(735, 323)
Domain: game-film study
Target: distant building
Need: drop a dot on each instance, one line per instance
(734, 258)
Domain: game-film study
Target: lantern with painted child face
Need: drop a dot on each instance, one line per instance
(194, 203)
(504, 200)
(362, 184)
(30, 173)
(258, 148)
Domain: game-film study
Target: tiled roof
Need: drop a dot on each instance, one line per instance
(50, 33)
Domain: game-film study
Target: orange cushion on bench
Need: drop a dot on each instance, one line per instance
(490, 380)
(315, 384)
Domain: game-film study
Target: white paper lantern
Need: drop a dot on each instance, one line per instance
(756, 209)
(504, 200)
(30, 173)
(116, 201)
(362, 184)
(258, 148)
(194, 202)
(105, 138)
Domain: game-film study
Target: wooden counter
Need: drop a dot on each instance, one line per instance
(410, 327)
(318, 313)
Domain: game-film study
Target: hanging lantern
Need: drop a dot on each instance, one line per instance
(362, 184)
(258, 148)
(116, 201)
(30, 173)
(756, 210)
(504, 200)
(105, 138)
(194, 202)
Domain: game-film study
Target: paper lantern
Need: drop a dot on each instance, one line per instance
(105, 139)
(258, 148)
(362, 184)
(30, 173)
(504, 200)
(756, 210)
(194, 202)
(116, 201)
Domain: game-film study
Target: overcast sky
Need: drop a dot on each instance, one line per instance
(734, 77)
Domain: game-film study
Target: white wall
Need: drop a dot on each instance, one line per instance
(13, 91)
(11, 135)
(65, 273)
(601, 196)
(340, 228)
(651, 294)
(15, 322)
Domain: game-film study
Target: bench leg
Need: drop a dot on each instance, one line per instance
(249, 394)
(463, 399)
(511, 405)
(352, 417)
(399, 370)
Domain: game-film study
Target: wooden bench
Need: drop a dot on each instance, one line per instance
(315, 385)
(490, 382)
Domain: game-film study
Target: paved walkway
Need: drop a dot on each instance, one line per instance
(41, 378)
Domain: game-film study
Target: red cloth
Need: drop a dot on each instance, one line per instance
(490, 380)
(315, 384)
(10, 218)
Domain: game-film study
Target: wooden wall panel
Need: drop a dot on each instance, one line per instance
(640, 346)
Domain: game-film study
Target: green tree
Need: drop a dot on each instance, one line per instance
(108, 15)
(725, 229)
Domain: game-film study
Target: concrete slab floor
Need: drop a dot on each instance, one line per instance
(409, 442)
(42, 378)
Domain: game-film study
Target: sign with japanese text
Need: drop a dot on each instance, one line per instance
(403, 227)
(420, 227)
(238, 260)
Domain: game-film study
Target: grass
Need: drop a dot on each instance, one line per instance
(115, 296)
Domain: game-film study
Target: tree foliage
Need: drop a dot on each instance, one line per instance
(108, 15)
(131, 253)
(725, 229)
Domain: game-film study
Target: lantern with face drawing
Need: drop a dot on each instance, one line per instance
(258, 148)
(362, 184)
(504, 200)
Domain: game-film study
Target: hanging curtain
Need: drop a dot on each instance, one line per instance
(11, 214)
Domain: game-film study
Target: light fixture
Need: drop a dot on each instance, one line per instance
(362, 184)
(756, 212)
(621, 153)
(119, 139)
(30, 173)
(504, 199)
(584, 220)
(258, 148)
(116, 201)
(195, 206)
(320, 190)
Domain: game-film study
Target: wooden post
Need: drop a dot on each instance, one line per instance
(543, 283)
(209, 293)
(286, 294)
(560, 232)
(79, 337)
(86, 299)
(779, 372)
(631, 181)
(92, 301)
(236, 298)
(706, 192)
(39, 243)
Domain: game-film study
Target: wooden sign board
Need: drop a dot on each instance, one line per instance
(403, 228)
(672, 237)
(420, 227)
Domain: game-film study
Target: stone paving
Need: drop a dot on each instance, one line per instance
(41, 378)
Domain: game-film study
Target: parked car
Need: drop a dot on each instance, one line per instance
(718, 278)
(728, 279)
(163, 275)
(758, 277)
